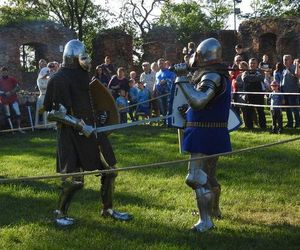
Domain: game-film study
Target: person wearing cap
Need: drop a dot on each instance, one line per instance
(9, 87)
(276, 114)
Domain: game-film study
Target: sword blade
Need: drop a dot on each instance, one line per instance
(131, 124)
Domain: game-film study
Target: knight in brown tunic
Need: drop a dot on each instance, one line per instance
(79, 148)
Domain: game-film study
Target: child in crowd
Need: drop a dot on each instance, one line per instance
(144, 95)
(132, 96)
(122, 105)
(276, 100)
(132, 76)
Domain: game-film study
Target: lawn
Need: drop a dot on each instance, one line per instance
(260, 195)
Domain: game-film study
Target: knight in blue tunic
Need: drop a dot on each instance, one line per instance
(206, 131)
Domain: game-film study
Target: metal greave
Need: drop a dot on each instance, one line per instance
(107, 190)
(66, 195)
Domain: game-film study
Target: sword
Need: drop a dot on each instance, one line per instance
(131, 124)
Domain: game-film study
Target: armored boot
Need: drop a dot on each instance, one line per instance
(216, 212)
(204, 201)
(67, 192)
(107, 191)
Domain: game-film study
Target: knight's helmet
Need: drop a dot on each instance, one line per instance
(75, 56)
(208, 52)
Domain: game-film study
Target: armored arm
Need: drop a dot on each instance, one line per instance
(199, 98)
(61, 116)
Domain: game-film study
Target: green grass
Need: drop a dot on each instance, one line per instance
(260, 196)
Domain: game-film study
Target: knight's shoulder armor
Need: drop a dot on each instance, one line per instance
(212, 77)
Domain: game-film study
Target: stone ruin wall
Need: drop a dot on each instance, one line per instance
(272, 36)
(118, 45)
(48, 39)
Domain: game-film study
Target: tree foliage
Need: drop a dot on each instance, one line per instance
(275, 8)
(185, 18)
(218, 13)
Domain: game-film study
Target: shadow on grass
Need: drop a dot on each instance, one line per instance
(144, 233)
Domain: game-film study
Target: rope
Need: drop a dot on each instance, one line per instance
(264, 105)
(264, 93)
(27, 128)
(160, 164)
(136, 104)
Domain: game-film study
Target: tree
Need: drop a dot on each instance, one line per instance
(275, 8)
(218, 12)
(139, 14)
(185, 18)
(137, 18)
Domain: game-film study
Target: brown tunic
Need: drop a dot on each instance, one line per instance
(70, 87)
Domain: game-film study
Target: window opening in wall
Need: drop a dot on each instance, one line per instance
(27, 58)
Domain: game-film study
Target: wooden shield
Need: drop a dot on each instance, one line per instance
(103, 101)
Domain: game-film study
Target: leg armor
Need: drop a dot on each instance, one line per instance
(215, 186)
(198, 179)
(68, 189)
(107, 189)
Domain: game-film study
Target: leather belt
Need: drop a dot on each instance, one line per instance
(207, 124)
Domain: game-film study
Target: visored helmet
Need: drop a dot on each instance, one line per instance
(208, 52)
(75, 55)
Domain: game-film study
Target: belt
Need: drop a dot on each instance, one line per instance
(207, 124)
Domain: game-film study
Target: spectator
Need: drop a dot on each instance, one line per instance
(132, 96)
(253, 83)
(143, 109)
(108, 68)
(276, 100)
(119, 81)
(9, 87)
(100, 76)
(53, 67)
(164, 79)
(234, 73)
(154, 67)
(241, 52)
(42, 82)
(265, 65)
(277, 74)
(267, 81)
(42, 64)
(122, 105)
(238, 86)
(289, 84)
(148, 78)
(132, 76)
(191, 48)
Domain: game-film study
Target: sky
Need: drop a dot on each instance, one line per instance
(244, 6)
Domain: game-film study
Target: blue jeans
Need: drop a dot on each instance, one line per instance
(292, 100)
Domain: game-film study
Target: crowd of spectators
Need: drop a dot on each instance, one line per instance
(259, 77)
(147, 94)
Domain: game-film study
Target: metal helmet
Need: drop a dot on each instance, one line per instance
(208, 52)
(75, 56)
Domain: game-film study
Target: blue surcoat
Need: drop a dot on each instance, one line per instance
(208, 140)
